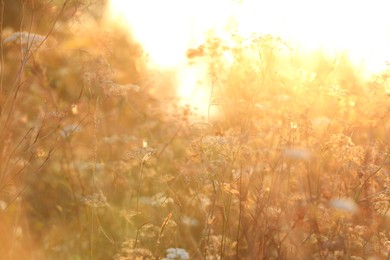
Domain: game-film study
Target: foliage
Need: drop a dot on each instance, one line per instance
(96, 163)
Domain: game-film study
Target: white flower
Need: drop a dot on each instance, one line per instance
(297, 153)
(69, 130)
(177, 254)
(25, 39)
(344, 204)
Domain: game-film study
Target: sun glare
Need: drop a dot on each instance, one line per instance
(167, 29)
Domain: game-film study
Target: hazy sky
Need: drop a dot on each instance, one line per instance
(361, 27)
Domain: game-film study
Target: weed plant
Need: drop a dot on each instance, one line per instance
(98, 160)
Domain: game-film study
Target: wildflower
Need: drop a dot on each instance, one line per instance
(160, 200)
(177, 254)
(189, 221)
(25, 39)
(245, 173)
(95, 200)
(127, 214)
(141, 154)
(336, 91)
(205, 202)
(128, 252)
(202, 126)
(145, 143)
(212, 142)
(111, 88)
(293, 125)
(229, 189)
(111, 139)
(40, 152)
(344, 204)
(273, 212)
(335, 244)
(297, 153)
(387, 245)
(362, 231)
(75, 109)
(149, 232)
(69, 130)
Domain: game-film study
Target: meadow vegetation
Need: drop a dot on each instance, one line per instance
(99, 160)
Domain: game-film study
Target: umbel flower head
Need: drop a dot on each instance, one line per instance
(142, 154)
(129, 252)
(96, 200)
(177, 254)
(25, 39)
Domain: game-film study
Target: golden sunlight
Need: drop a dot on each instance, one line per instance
(167, 29)
(360, 28)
